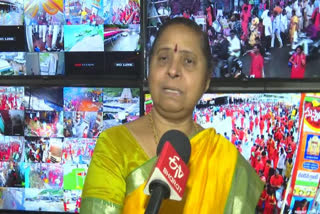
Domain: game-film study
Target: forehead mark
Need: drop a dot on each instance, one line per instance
(176, 48)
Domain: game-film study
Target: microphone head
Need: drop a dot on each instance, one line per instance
(179, 141)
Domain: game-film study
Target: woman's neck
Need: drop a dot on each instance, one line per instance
(162, 124)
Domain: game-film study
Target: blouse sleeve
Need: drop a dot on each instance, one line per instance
(105, 186)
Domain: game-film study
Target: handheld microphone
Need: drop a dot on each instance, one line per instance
(169, 176)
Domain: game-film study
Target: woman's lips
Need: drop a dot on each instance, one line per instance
(173, 91)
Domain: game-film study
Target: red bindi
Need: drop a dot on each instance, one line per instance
(176, 48)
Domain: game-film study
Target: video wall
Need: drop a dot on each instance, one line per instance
(47, 137)
(103, 37)
(62, 37)
(48, 134)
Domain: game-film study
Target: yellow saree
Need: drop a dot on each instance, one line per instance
(220, 180)
(294, 23)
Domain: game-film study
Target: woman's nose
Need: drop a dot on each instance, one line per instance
(174, 69)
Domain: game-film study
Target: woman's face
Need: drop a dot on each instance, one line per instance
(299, 50)
(178, 71)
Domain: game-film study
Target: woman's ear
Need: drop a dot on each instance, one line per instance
(207, 85)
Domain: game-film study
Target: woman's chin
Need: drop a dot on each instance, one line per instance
(173, 111)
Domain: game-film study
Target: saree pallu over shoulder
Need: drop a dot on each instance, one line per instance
(117, 156)
(135, 179)
(220, 181)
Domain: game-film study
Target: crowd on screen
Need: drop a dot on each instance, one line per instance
(129, 14)
(45, 125)
(10, 174)
(256, 25)
(75, 153)
(10, 101)
(269, 131)
(10, 16)
(10, 151)
(51, 176)
(261, 23)
(37, 151)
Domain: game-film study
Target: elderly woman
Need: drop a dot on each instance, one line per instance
(220, 179)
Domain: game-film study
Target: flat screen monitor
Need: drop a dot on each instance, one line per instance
(47, 138)
(74, 38)
(234, 28)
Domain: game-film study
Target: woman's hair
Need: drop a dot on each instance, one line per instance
(203, 37)
(300, 47)
(258, 46)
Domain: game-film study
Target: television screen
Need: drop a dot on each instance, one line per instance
(82, 124)
(235, 28)
(45, 64)
(85, 63)
(120, 106)
(47, 99)
(12, 98)
(122, 37)
(83, 38)
(12, 39)
(12, 63)
(125, 64)
(83, 12)
(78, 150)
(83, 99)
(11, 148)
(56, 37)
(13, 175)
(121, 12)
(45, 38)
(10, 202)
(47, 138)
(43, 150)
(12, 12)
(43, 12)
(43, 124)
(11, 122)
(36, 199)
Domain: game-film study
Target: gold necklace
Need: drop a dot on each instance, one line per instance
(155, 133)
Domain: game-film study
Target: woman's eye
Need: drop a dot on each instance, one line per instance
(188, 61)
(163, 58)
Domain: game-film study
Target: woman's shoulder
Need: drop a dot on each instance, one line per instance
(119, 141)
(113, 132)
(117, 136)
(130, 136)
(211, 138)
